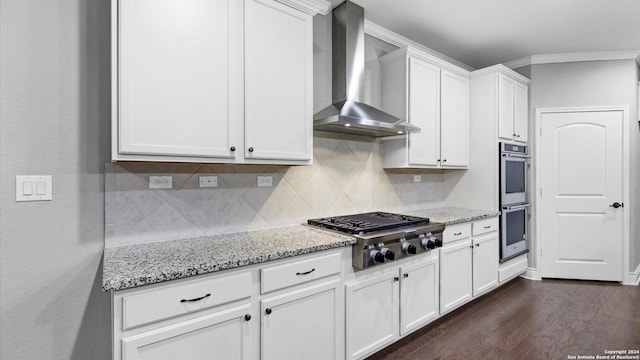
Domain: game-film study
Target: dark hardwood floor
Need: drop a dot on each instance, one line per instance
(549, 319)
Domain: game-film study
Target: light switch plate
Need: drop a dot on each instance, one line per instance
(34, 188)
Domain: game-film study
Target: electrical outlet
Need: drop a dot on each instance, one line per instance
(265, 180)
(207, 181)
(417, 178)
(160, 182)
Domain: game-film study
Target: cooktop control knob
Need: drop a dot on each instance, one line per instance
(437, 241)
(376, 256)
(408, 248)
(428, 244)
(388, 254)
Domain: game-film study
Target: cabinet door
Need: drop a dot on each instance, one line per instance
(177, 67)
(424, 112)
(278, 82)
(505, 107)
(419, 295)
(225, 334)
(485, 263)
(302, 324)
(521, 112)
(454, 120)
(372, 312)
(455, 275)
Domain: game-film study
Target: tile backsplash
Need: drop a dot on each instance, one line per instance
(347, 177)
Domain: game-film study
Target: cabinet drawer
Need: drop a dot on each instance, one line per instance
(485, 226)
(299, 272)
(164, 303)
(456, 232)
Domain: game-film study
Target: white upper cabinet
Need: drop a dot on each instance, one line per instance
(454, 120)
(278, 82)
(175, 67)
(513, 107)
(521, 112)
(213, 80)
(424, 112)
(433, 98)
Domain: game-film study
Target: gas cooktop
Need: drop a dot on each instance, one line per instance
(382, 236)
(368, 222)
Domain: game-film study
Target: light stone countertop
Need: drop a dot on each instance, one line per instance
(453, 215)
(137, 265)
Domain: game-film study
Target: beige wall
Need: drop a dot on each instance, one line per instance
(596, 83)
(54, 100)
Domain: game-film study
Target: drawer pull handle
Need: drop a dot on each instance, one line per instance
(488, 227)
(196, 299)
(458, 233)
(306, 272)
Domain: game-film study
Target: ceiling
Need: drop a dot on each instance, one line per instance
(481, 33)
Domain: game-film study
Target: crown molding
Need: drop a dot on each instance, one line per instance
(311, 7)
(500, 68)
(574, 57)
(400, 41)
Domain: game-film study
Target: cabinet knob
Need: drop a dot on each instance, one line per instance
(477, 245)
(247, 317)
(395, 278)
(515, 135)
(267, 311)
(233, 148)
(406, 275)
(445, 160)
(251, 149)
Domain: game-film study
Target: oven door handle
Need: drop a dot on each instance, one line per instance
(515, 207)
(510, 155)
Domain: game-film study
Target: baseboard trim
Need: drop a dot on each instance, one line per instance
(531, 274)
(633, 278)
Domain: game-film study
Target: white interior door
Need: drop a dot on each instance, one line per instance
(580, 176)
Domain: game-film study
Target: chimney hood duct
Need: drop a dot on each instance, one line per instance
(348, 114)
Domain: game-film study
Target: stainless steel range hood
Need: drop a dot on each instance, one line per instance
(348, 114)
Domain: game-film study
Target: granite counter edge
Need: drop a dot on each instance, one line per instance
(123, 283)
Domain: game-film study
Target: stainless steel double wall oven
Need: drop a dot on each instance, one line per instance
(514, 162)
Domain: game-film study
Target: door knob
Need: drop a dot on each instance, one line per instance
(616, 205)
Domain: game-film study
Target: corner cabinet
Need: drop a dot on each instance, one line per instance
(432, 97)
(213, 80)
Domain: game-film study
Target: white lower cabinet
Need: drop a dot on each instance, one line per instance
(455, 274)
(288, 309)
(302, 324)
(223, 335)
(419, 294)
(469, 262)
(372, 314)
(382, 307)
(485, 263)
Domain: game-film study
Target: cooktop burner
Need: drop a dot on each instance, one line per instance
(368, 222)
